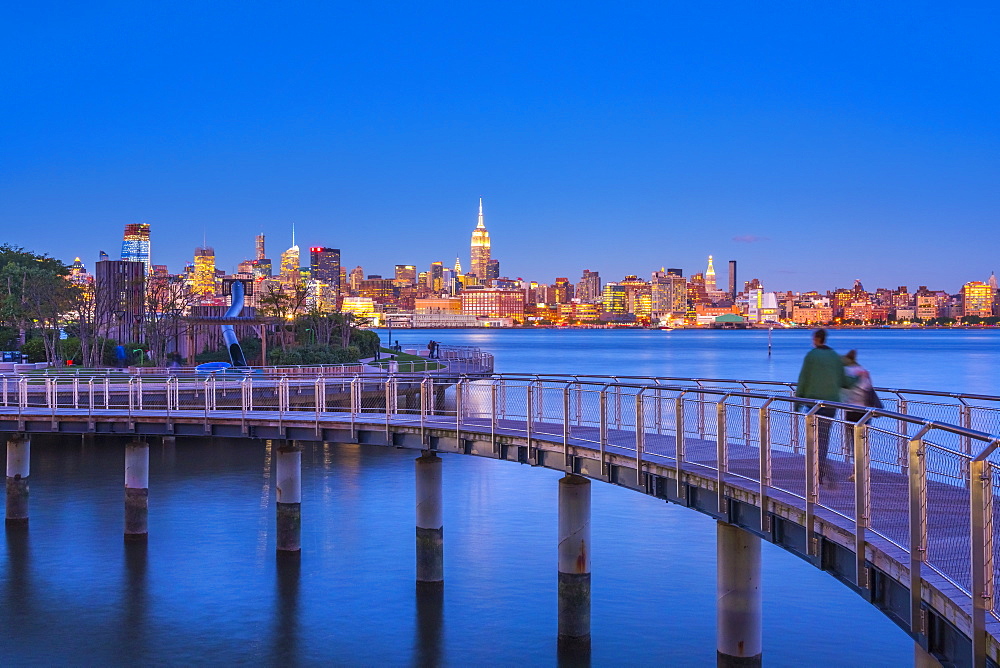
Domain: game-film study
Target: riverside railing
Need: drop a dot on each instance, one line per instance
(919, 489)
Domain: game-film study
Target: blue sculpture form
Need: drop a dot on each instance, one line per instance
(229, 332)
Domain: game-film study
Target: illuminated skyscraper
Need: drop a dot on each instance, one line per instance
(406, 275)
(289, 268)
(204, 272)
(135, 244)
(357, 275)
(493, 270)
(480, 259)
(435, 277)
(324, 265)
(562, 291)
(977, 299)
(669, 295)
(588, 290)
(710, 277)
(260, 247)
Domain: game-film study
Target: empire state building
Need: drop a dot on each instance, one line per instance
(480, 248)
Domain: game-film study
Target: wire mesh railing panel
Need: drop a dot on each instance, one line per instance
(585, 414)
(948, 502)
(663, 442)
(889, 488)
(788, 464)
(887, 448)
(743, 438)
(985, 419)
(477, 400)
(513, 402)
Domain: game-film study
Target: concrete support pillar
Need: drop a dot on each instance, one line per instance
(18, 468)
(923, 659)
(738, 598)
(430, 526)
(289, 486)
(574, 557)
(136, 491)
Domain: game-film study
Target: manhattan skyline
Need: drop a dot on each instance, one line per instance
(815, 145)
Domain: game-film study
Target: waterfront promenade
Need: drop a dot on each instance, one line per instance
(735, 451)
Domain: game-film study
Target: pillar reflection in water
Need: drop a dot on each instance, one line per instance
(286, 611)
(134, 599)
(429, 628)
(16, 603)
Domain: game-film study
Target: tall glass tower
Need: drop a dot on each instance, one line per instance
(135, 244)
(480, 248)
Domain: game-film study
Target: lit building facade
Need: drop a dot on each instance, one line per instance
(135, 244)
(588, 289)
(203, 281)
(480, 248)
(324, 266)
(289, 268)
(435, 277)
(977, 299)
(406, 275)
(494, 303)
(710, 276)
(668, 295)
(614, 299)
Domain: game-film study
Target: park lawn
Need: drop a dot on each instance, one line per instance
(407, 363)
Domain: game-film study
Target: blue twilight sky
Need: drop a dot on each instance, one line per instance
(813, 142)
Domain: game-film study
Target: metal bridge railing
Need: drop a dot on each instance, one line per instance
(917, 486)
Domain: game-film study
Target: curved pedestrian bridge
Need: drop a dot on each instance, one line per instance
(904, 514)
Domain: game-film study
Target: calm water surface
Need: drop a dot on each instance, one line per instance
(208, 588)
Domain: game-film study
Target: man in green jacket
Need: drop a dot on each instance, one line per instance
(822, 377)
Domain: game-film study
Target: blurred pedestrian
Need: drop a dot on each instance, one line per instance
(822, 377)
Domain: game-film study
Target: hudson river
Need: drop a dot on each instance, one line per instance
(208, 588)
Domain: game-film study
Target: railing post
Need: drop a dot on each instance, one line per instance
(764, 471)
(459, 409)
(579, 404)
(659, 411)
(679, 441)
(721, 453)
(812, 479)
(862, 498)
(493, 416)
(918, 525)
(389, 396)
(965, 416)
(902, 457)
(746, 416)
(424, 398)
(701, 413)
(981, 499)
(603, 431)
(640, 434)
(618, 407)
(528, 419)
(567, 463)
